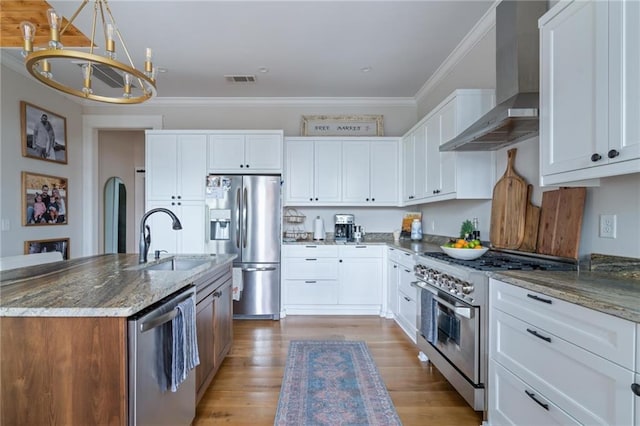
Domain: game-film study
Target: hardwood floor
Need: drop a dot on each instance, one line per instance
(246, 388)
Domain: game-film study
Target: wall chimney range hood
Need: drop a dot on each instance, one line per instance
(515, 117)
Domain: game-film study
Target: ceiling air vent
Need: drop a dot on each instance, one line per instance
(106, 74)
(240, 78)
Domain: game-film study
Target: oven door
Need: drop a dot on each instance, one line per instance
(458, 334)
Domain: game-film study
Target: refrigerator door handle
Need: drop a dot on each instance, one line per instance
(245, 207)
(238, 218)
(258, 269)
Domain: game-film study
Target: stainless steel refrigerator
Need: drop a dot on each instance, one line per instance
(244, 219)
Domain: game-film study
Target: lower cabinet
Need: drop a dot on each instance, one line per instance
(403, 301)
(545, 367)
(214, 325)
(330, 279)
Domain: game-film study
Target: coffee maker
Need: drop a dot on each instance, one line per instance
(344, 227)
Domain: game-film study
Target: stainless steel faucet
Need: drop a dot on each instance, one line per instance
(145, 237)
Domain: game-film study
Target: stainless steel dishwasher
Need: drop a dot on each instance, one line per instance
(149, 339)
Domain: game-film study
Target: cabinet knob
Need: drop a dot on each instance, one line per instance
(179, 197)
(310, 199)
(316, 198)
(241, 166)
(179, 203)
(340, 260)
(247, 166)
(173, 197)
(366, 199)
(173, 204)
(373, 199)
(596, 157)
(613, 153)
(635, 388)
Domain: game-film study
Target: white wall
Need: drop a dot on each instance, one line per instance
(16, 88)
(372, 219)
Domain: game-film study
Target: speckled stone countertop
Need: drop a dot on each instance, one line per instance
(110, 285)
(417, 247)
(606, 292)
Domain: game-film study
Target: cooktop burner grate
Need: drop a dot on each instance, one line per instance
(494, 261)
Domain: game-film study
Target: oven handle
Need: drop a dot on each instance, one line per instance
(459, 310)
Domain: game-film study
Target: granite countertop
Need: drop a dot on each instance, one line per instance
(110, 285)
(614, 294)
(416, 247)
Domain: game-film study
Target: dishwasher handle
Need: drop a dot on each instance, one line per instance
(158, 321)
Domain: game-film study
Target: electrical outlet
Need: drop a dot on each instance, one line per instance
(433, 225)
(5, 225)
(607, 226)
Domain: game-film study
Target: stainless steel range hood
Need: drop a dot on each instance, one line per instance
(515, 118)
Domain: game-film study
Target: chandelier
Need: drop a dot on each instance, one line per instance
(126, 84)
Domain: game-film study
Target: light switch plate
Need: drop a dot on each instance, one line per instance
(607, 226)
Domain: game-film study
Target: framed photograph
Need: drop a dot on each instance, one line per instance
(44, 134)
(44, 246)
(342, 125)
(44, 199)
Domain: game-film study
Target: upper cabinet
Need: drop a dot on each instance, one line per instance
(175, 166)
(341, 171)
(247, 152)
(370, 172)
(431, 175)
(589, 90)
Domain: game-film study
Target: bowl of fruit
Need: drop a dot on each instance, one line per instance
(464, 250)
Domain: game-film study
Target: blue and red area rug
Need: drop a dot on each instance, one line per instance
(333, 383)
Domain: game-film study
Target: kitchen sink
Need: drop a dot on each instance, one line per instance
(177, 264)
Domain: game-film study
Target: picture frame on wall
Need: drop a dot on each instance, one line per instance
(44, 200)
(44, 134)
(342, 125)
(45, 246)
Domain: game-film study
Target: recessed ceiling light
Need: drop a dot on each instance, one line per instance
(365, 69)
(263, 70)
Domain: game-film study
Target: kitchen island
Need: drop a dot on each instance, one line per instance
(64, 333)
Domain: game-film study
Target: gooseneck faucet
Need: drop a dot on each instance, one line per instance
(145, 237)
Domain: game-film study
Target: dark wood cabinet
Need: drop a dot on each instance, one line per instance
(214, 325)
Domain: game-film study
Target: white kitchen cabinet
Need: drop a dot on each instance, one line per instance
(188, 240)
(245, 152)
(360, 275)
(576, 361)
(370, 172)
(175, 166)
(310, 278)
(439, 176)
(407, 315)
(590, 90)
(414, 158)
(313, 171)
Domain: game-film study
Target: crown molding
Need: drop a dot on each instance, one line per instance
(282, 101)
(477, 33)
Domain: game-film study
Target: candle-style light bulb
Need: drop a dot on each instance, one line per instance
(148, 64)
(55, 22)
(45, 69)
(127, 86)
(86, 73)
(28, 34)
(111, 44)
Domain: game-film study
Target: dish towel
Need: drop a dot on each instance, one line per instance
(185, 343)
(236, 277)
(429, 317)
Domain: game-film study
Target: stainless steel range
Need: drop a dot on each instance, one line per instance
(454, 314)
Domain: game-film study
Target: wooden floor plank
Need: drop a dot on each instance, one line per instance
(246, 389)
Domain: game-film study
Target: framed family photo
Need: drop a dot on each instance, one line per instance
(45, 246)
(44, 199)
(44, 134)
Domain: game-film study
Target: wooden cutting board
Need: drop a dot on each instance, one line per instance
(561, 222)
(508, 208)
(531, 224)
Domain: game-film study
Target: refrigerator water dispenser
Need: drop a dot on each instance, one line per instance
(220, 222)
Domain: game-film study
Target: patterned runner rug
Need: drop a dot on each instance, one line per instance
(333, 383)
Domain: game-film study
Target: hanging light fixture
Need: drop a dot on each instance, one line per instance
(135, 86)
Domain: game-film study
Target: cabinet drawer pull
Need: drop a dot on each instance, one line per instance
(539, 299)
(311, 246)
(217, 294)
(539, 336)
(406, 298)
(540, 403)
(311, 260)
(310, 282)
(635, 388)
(361, 246)
(407, 271)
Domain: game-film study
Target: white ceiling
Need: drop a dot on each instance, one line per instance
(310, 48)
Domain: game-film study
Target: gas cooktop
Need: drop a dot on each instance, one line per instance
(497, 261)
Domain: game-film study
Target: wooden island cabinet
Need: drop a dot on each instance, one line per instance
(64, 355)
